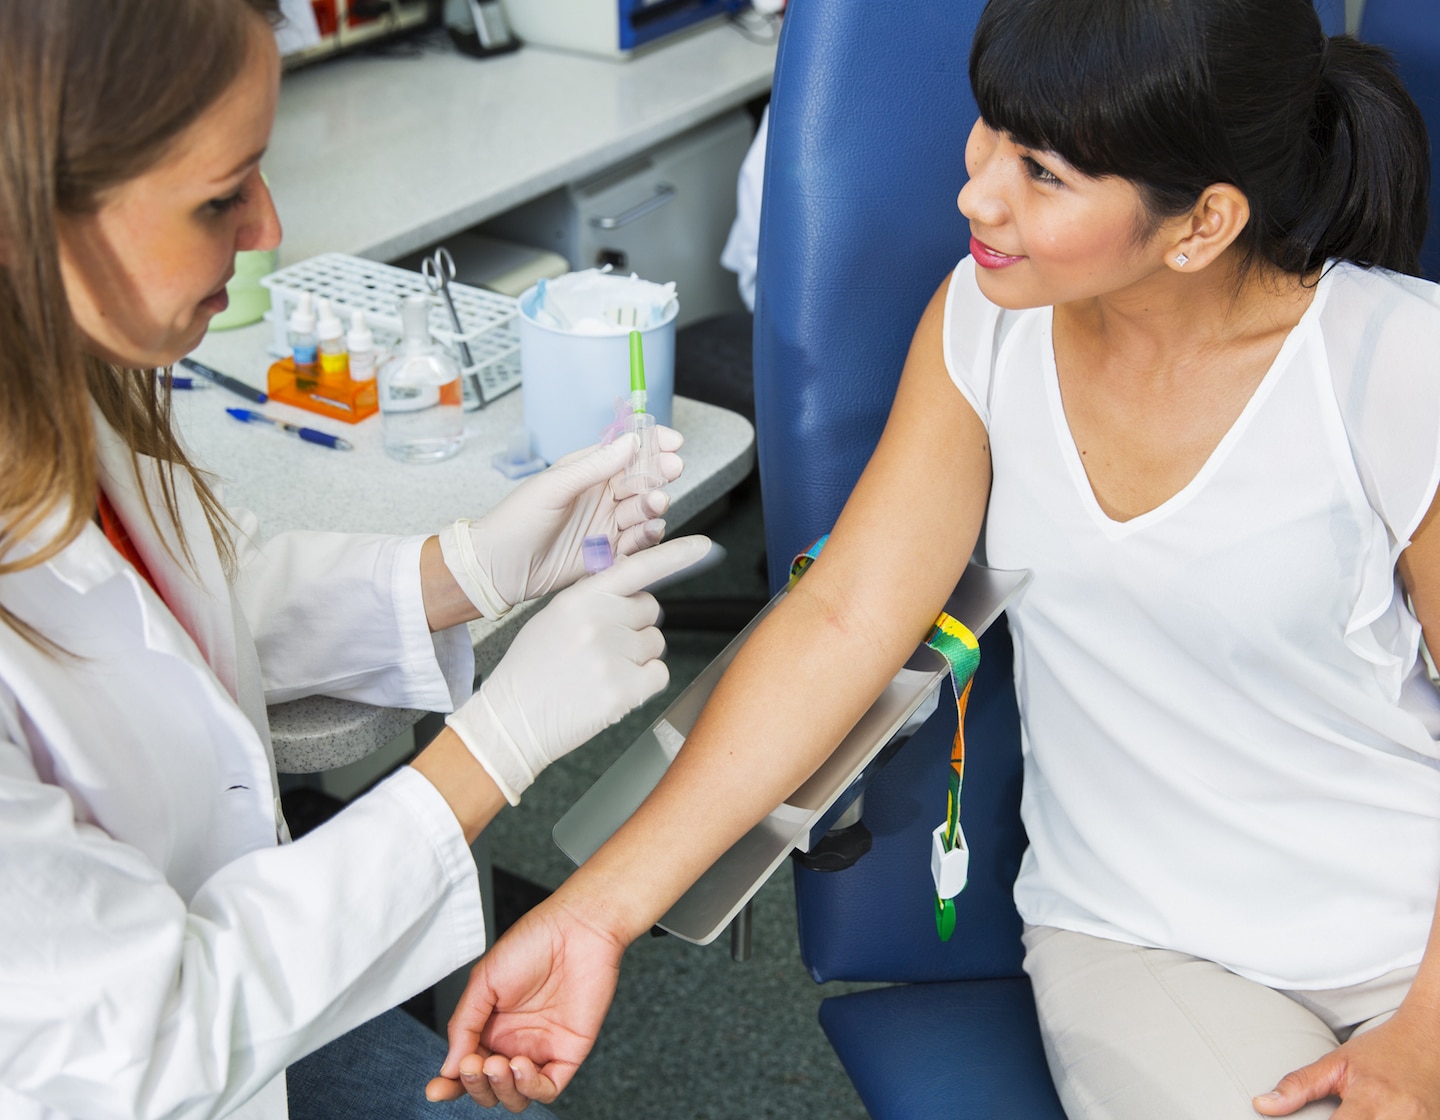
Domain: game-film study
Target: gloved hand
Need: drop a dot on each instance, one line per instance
(578, 666)
(529, 544)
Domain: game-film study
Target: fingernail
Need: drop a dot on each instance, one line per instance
(1272, 1095)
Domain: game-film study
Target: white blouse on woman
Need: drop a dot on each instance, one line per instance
(1232, 748)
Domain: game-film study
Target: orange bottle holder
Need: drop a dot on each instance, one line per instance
(337, 398)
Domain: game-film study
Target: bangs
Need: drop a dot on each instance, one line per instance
(1109, 85)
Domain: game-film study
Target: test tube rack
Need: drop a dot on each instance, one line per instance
(355, 284)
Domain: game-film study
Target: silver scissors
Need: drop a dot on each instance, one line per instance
(438, 270)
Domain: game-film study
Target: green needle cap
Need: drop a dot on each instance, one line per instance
(637, 363)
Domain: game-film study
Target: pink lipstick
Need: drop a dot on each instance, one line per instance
(987, 257)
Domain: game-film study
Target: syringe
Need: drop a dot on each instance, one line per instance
(643, 471)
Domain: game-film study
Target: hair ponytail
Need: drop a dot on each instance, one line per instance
(1371, 178)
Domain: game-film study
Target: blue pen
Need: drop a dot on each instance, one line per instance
(309, 435)
(188, 383)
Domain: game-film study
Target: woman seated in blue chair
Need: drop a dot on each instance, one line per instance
(1187, 378)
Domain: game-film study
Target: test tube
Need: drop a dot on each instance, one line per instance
(642, 473)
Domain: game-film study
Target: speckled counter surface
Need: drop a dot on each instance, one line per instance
(380, 156)
(289, 484)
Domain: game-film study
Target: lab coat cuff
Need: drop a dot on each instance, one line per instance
(436, 821)
(441, 665)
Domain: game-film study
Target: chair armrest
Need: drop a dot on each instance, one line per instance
(707, 907)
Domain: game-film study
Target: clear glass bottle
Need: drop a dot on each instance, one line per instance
(421, 417)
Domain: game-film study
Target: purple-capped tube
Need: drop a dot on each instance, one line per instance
(595, 551)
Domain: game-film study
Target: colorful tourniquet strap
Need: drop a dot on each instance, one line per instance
(953, 641)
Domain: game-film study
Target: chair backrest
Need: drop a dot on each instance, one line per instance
(1410, 30)
(869, 115)
(868, 121)
(1332, 15)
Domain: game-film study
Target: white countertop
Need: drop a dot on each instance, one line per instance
(289, 484)
(379, 156)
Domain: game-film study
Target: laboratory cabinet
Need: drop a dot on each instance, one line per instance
(611, 28)
(663, 215)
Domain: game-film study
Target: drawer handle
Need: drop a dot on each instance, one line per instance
(664, 192)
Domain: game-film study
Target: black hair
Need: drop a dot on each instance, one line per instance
(1176, 95)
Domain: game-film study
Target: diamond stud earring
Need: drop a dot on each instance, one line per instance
(1181, 259)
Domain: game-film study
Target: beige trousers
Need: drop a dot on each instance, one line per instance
(1149, 1034)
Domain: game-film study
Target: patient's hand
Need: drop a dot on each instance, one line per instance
(1390, 1071)
(531, 1011)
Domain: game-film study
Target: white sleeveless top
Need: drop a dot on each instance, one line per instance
(1232, 748)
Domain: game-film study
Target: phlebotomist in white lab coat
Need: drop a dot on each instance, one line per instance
(164, 950)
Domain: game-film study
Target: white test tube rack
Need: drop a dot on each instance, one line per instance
(355, 284)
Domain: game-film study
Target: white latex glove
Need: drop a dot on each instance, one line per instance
(529, 544)
(584, 661)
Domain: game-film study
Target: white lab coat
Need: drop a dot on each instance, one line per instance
(741, 254)
(164, 950)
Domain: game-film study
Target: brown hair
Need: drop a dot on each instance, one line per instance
(92, 94)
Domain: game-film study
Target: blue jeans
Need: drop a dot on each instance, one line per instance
(378, 1072)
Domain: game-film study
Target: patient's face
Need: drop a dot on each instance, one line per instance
(1043, 233)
